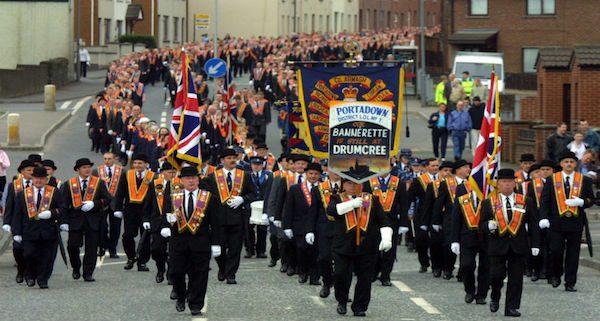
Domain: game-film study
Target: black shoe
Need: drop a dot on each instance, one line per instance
(437, 273)
(341, 309)
(76, 275)
(534, 277)
(423, 269)
(528, 273)
(512, 313)
(283, 268)
(248, 255)
(180, 306)
(480, 301)
(196, 311)
(173, 295)
(469, 298)
(261, 256)
(555, 282)
(231, 281)
(160, 276)
(302, 278)
(129, 265)
(221, 276)
(19, 278)
(543, 276)
(324, 291)
(101, 252)
(360, 314)
(386, 282)
(143, 268)
(114, 256)
(31, 283)
(272, 263)
(315, 282)
(89, 279)
(448, 276)
(570, 288)
(43, 286)
(459, 278)
(494, 306)
(291, 271)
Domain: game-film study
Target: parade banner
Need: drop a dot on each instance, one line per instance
(295, 130)
(318, 86)
(360, 137)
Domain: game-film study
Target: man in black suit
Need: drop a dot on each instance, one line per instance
(296, 224)
(261, 115)
(37, 209)
(191, 221)
(355, 244)
(565, 196)
(234, 189)
(110, 230)
(85, 199)
(256, 240)
(503, 219)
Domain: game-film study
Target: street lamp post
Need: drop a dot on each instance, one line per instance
(77, 58)
(422, 52)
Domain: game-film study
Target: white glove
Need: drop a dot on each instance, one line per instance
(64, 227)
(171, 218)
(203, 135)
(87, 124)
(207, 141)
(271, 219)
(575, 201)
(118, 139)
(436, 228)
(123, 148)
(535, 251)
(6, 228)
(250, 82)
(423, 227)
(345, 207)
(386, 238)
(129, 153)
(165, 232)
(455, 248)
(118, 214)
(235, 202)
(265, 219)
(215, 250)
(289, 233)
(492, 226)
(45, 215)
(277, 223)
(110, 132)
(357, 202)
(146, 225)
(402, 230)
(544, 224)
(87, 206)
(310, 238)
(17, 238)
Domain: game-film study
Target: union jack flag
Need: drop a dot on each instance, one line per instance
(184, 136)
(231, 105)
(487, 154)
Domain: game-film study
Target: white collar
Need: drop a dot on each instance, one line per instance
(510, 197)
(386, 178)
(459, 180)
(571, 176)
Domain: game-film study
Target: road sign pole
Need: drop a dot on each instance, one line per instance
(216, 22)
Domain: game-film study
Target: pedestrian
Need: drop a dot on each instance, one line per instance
(577, 145)
(476, 112)
(459, 124)
(438, 122)
(556, 144)
(503, 218)
(439, 91)
(479, 90)
(467, 83)
(110, 228)
(457, 94)
(4, 165)
(84, 60)
(256, 239)
(591, 137)
(587, 165)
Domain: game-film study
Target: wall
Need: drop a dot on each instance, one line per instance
(30, 79)
(397, 13)
(172, 9)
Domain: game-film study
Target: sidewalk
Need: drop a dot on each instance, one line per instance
(33, 137)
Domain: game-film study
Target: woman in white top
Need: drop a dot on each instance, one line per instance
(577, 146)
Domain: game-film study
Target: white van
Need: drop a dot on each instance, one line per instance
(479, 64)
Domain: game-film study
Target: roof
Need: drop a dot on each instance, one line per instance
(588, 55)
(134, 12)
(472, 36)
(554, 57)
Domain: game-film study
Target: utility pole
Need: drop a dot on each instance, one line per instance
(77, 58)
(422, 49)
(294, 16)
(216, 21)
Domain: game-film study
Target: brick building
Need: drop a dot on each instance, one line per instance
(381, 14)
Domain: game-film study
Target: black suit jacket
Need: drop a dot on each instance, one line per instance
(428, 202)
(398, 216)
(297, 211)
(416, 196)
(442, 210)
(228, 215)
(121, 200)
(75, 217)
(9, 206)
(32, 230)
(460, 232)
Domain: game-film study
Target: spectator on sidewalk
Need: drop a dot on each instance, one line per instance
(591, 137)
(476, 112)
(448, 88)
(439, 90)
(578, 146)
(479, 90)
(4, 165)
(587, 165)
(557, 143)
(438, 122)
(457, 94)
(467, 83)
(459, 124)
(84, 60)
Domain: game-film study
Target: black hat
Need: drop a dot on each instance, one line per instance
(460, 163)
(49, 163)
(415, 161)
(506, 173)
(228, 152)
(140, 156)
(239, 150)
(250, 135)
(39, 172)
(81, 162)
(26, 163)
(447, 164)
(257, 160)
(166, 166)
(313, 167)
(188, 171)
(36, 158)
(325, 162)
(534, 167)
(527, 158)
(282, 157)
(301, 157)
(406, 152)
(567, 154)
(547, 163)
(261, 145)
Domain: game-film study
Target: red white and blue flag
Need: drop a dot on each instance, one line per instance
(487, 154)
(231, 108)
(185, 133)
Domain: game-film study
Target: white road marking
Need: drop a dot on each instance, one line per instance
(114, 263)
(199, 319)
(79, 104)
(317, 300)
(425, 305)
(204, 309)
(100, 261)
(401, 286)
(65, 105)
(163, 119)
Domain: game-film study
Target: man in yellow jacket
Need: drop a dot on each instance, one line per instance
(439, 91)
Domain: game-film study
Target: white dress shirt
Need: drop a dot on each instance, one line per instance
(571, 178)
(511, 200)
(35, 194)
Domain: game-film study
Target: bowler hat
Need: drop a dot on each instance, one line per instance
(534, 167)
(567, 154)
(39, 172)
(314, 167)
(527, 158)
(36, 158)
(506, 173)
(261, 145)
(460, 163)
(81, 162)
(166, 166)
(188, 171)
(228, 152)
(301, 157)
(49, 163)
(26, 163)
(324, 162)
(447, 164)
(141, 157)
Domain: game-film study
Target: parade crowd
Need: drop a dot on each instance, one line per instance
(315, 225)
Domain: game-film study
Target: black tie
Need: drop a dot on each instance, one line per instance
(229, 181)
(335, 188)
(509, 212)
(83, 187)
(190, 205)
(39, 199)
(27, 184)
(435, 177)
(109, 173)
(256, 178)
(567, 187)
(300, 179)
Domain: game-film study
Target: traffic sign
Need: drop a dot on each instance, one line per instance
(215, 67)
(201, 21)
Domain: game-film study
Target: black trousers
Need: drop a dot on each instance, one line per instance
(84, 66)
(439, 136)
(306, 255)
(195, 265)
(514, 265)
(256, 241)
(110, 232)
(159, 251)
(564, 255)
(422, 246)
(133, 225)
(39, 255)
(385, 260)
(287, 250)
(364, 268)
(76, 240)
(260, 131)
(324, 256)
(18, 254)
(229, 260)
(541, 263)
(436, 250)
(274, 250)
(467, 266)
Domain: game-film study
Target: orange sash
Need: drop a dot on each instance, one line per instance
(538, 186)
(452, 185)
(209, 170)
(137, 195)
(358, 219)
(18, 184)
(470, 213)
(290, 179)
(198, 216)
(559, 192)
(90, 192)
(306, 193)
(436, 187)
(159, 192)
(257, 107)
(424, 179)
(517, 217)
(387, 198)
(224, 192)
(32, 211)
(114, 181)
(520, 177)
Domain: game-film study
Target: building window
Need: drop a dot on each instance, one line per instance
(107, 29)
(175, 29)
(119, 28)
(165, 28)
(478, 8)
(529, 58)
(541, 7)
(183, 31)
